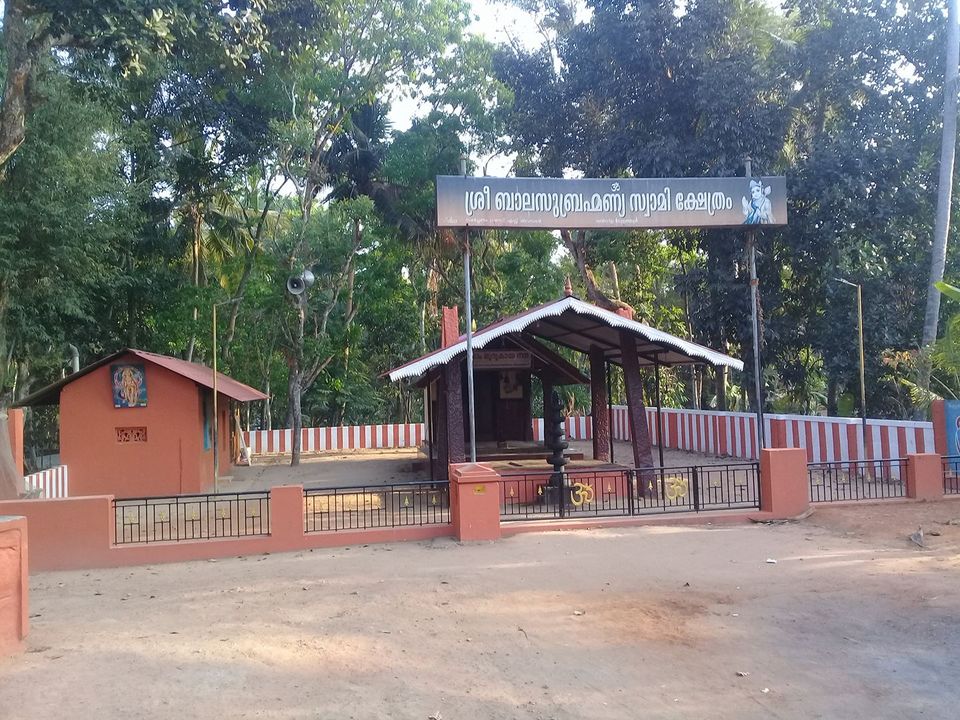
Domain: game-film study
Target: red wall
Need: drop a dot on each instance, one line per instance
(76, 533)
(172, 460)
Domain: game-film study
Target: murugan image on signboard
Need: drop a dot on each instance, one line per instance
(129, 386)
(511, 386)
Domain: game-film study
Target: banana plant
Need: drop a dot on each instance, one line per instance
(946, 352)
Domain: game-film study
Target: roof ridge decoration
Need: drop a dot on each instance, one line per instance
(519, 323)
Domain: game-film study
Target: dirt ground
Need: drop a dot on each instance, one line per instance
(387, 466)
(852, 621)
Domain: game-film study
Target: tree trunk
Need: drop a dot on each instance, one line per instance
(267, 411)
(235, 306)
(577, 247)
(294, 385)
(21, 50)
(704, 388)
(832, 409)
(342, 411)
(721, 380)
(944, 190)
(195, 218)
(615, 279)
(295, 380)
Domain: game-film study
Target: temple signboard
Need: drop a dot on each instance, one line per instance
(501, 359)
(612, 203)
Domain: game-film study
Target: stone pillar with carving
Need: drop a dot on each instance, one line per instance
(599, 412)
(450, 430)
(456, 452)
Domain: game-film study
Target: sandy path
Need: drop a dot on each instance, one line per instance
(645, 622)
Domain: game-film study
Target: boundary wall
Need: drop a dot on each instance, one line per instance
(52, 483)
(80, 533)
(709, 432)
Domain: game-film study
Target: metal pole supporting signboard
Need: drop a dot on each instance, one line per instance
(468, 308)
(754, 298)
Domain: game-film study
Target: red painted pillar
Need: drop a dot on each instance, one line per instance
(598, 404)
(784, 483)
(924, 476)
(449, 326)
(13, 584)
(287, 516)
(636, 410)
(15, 427)
(474, 501)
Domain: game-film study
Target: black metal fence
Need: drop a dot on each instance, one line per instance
(376, 506)
(951, 475)
(191, 517)
(629, 491)
(858, 480)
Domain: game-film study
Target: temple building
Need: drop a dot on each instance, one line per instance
(511, 352)
(136, 423)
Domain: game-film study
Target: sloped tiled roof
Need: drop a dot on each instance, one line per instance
(200, 374)
(579, 325)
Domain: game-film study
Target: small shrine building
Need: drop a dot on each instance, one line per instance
(139, 424)
(510, 352)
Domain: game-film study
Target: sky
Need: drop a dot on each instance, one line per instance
(496, 22)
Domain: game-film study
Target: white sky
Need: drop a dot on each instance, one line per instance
(496, 22)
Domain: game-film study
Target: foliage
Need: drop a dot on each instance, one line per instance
(202, 153)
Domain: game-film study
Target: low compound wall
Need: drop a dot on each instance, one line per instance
(79, 533)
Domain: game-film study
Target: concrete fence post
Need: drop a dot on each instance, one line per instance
(287, 516)
(474, 501)
(14, 584)
(784, 483)
(924, 476)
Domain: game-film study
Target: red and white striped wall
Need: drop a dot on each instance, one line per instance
(825, 439)
(726, 434)
(830, 439)
(52, 483)
(334, 439)
(575, 427)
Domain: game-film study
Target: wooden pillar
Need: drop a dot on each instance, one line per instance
(456, 452)
(547, 385)
(440, 426)
(636, 411)
(598, 403)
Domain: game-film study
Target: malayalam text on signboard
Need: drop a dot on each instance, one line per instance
(555, 203)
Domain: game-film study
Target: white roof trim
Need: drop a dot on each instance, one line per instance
(519, 324)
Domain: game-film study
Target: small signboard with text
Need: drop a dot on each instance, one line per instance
(614, 203)
(501, 359)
